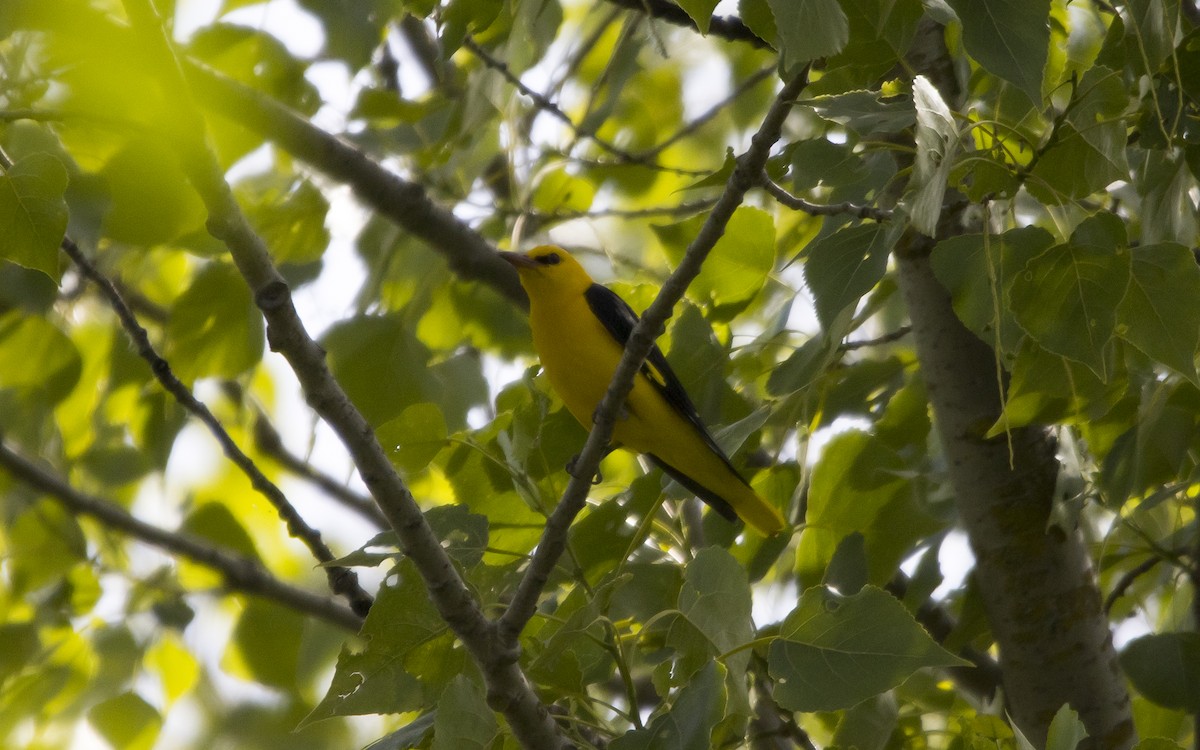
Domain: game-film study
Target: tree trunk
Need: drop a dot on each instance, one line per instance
(1035, 576)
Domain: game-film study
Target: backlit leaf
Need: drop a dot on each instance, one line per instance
(126, 721)
(33, 212)
(214, 328)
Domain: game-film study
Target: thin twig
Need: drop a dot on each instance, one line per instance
(705, 117)
(268, 440)
(553, 541)
(681, 209)
(779, 193)
(550, 108)
(406, 203)
(241, 573)
(343, 581)
(1127, 579)
(886, 338)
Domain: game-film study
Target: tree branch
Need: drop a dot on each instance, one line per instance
(554, 538)
(267, 440)
(1127, 579)
(508, 690)
(550, 108)
(241, 573)
(796, 203)
(730, 28)
(470, 255)
(343, 581)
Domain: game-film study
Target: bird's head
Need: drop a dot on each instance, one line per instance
(549, 269)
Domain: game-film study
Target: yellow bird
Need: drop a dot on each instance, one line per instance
(579, 330)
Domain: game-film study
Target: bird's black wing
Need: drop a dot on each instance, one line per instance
(619, 318)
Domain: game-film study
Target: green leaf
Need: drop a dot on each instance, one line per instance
(1165, 667)
(407, 661)
(977, 269)
(215, 522)
(1009, 38)
(1157, 743)
(151, 199)
(860, 485)
(214, 328)
(809, 29)
(865, 111)
(380, 364)
(1101, 98)
(560, 192)
(688, 723)
(44, 543)
(463, 717)
(289, 214)
(462, 533)
(1151, 35)
(1073, 168)
(937, 142)
(847, 570)
(126, 721)
(1160, 313)
(844, 266)
(352, 31)
(36, 359)
(266, 644)
(409, 736)
(413, 438)
(740, 262)
(33, 212)
(836, 651)
(1165, 186)
(1067, 296)
(699, 11)
(716, 598)
(1066, 730)
(1046, 388)
(757, 15)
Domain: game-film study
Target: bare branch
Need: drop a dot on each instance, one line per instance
(716, 109)
(550, 108)
(267, 440)
(819, 209)
(553, 542)
(469, 255)
(508, 690)
(1127, 579)
(343, 581)
(886, 338)
(241, 573)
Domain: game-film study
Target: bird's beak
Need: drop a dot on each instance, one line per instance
(518, 261)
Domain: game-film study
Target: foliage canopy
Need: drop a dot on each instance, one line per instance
(959, 269)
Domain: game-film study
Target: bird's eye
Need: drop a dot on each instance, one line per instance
(550, 259)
